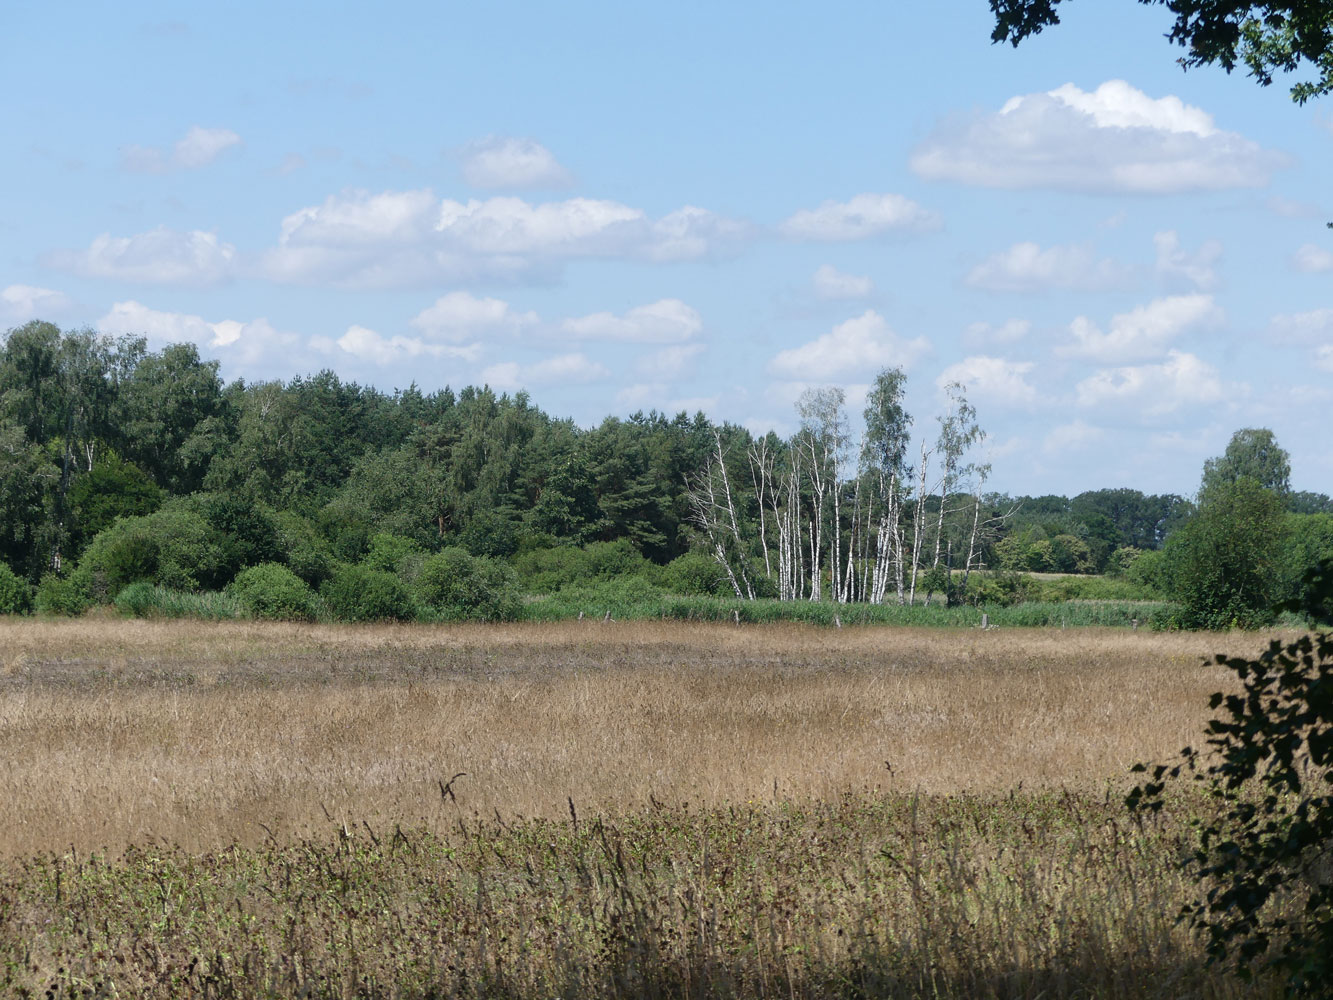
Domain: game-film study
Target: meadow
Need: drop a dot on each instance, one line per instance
(594, 809)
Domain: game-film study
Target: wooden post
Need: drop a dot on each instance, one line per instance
(985, 621)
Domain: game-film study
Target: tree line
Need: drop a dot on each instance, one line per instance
(315, 472)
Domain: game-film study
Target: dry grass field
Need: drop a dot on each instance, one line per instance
(116, 731)
(648, 810)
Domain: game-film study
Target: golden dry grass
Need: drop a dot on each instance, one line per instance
(114, 732)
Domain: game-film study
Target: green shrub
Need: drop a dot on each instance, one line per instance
(15, 594)
(58, 595)
(303, 549)
(545, 571)
(462, 587)
(360, 594)
(272, 591)
(172, 547)
(694, 573)
(387, 552)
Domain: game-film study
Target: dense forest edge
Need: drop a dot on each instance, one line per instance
(138, 479)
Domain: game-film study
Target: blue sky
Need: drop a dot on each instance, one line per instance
(623, 207)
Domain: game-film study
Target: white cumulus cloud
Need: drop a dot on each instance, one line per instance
(995, 380)
(1145, 332)
(1072, 438)
(405, 238)
(1154, 390)
(666, 321)
(461, 316)
(1312, 259)
(830, 283)
(508, 163)
(21, 303)
(243, 341)
(160, 256)
(670, 363)
(1175, 263)
(1026, 267)
(573, 368)
(197, 148)
(857, 347)
(1113, 139)
(369, 345)
(860, 218)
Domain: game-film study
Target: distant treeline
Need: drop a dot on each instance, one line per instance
(317, 473)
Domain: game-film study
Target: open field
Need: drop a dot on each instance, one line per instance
(117, 731)
(735, 827)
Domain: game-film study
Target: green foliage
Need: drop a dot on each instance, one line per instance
(272, 591)
(387, 552)
(304, 550)
(1252, 453)
(1267, 38)
(1121, 560)
(28, 495)
(360, 594)
(544, 571)
(114, 488)
(694, 573)
(15, 594)
(58, 595)
(173, 547)
(490, 533)
(461, 587)
(1220, 567)
(1263, 855)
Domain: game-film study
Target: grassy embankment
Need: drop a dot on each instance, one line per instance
(778, 811)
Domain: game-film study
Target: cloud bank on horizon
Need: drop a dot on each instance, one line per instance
(1122, 266)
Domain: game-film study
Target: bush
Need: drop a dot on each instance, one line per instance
(1263, 854)
(387, 552)
(15, 594)
(173, 547)
(545, 571)
(60, 596)
(304, 551)
(694, 573)
(1221, 567)
(360, 594)
(462, 587)
(274, 592)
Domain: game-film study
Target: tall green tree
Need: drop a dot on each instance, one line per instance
(1222, 565)
(1252, 453)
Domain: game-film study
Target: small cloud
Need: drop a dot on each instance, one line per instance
(1290, 209)
(1142, 333)
(1113, 139)
(863, 217)
(1196, 269)
(368, 345)
(1072, 439)
(670, 363)
(1310, 327)
(1026, 267)
(1312, 259)
(832, 284)
(509, 164)
(566, 369)
(291, 163)
(666, 321)
(1155, 390)
(242, 341)
(860, 346)
(160, 256)
(985, 334)
(460, 316)
(197, 148)
(996, 380)
(21, 303)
